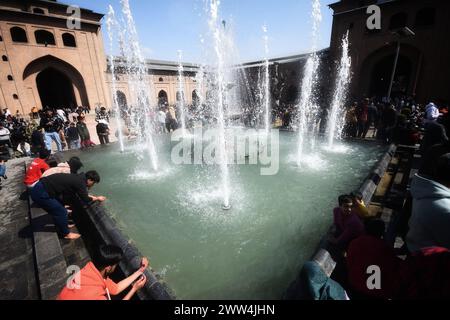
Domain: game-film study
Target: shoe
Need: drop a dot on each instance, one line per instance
(5, 177)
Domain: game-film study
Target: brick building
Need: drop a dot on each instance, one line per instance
(424, 55)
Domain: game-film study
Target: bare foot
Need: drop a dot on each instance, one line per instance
(72, 236)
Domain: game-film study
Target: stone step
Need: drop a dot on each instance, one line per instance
(50, 262)
(17, 266)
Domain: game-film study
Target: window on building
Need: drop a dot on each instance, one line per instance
(161, 79)
(69, 40)
(1, 39)
(38, 10)
(44, 37)
(398, 21)
(4, 58)
(15, 96)
(10, 78)
(18, 34)
(425, 17)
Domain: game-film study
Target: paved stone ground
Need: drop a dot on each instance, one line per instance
(17, 271)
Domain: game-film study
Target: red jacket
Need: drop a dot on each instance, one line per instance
(92, 286)
(35, 171)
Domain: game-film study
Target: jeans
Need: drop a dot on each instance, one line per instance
(49, 136)
(104, 139)
(2, 170)
(75, 144)
(52, 206)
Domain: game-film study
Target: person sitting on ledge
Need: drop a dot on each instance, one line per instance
(430, 219)
(47, 192)
(37, 168)
(94, 282)
(72, 166)
(371, 250)
(348, 225)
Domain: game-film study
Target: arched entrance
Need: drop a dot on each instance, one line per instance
(382, 74)
(55, 89)
(162, 98)
(56, 82)
(376, 71)
(121, 99)
(291, 94)
(195, 98)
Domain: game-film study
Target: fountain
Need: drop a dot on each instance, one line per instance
(267, 120)
(174, 214)
(336, 118)
(220, 92)
(137, 72)
(307, 110)
(181, 104)
(111, 23)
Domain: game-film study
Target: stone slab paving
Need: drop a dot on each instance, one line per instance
(17, 267)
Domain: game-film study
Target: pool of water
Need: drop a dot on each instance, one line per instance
(252, 251)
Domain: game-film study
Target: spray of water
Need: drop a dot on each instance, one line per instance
(200, 78)
(220, 91)
(306, 108)
(181, 104)
(137, 71)
(267, 119)
(111, 23)
(336, 118)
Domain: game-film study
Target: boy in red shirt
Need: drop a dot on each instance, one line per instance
(93, 282)
(37, 168)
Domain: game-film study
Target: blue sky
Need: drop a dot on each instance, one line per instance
(165, 26)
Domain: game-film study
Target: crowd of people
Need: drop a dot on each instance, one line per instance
(22, 136)
(357, 242)
(398, 121)
(418, 270)
(53, 187)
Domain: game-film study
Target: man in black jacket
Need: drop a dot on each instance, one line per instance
(52, 125)
(49, 189)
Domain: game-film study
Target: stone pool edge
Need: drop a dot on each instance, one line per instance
(322, 255)
(98, 226)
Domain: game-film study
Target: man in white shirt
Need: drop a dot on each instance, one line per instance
(5, 138)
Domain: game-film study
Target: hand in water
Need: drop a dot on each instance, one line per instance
(144, 264)
(139, 284)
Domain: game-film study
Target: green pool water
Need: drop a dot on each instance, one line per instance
(252, 251)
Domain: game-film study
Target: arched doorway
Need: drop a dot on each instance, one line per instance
(55, 89)
(291, 94)
(162, 98)
(195, 98)
(374, 74)
(121, 99)
(382, 74)
(51, 68)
